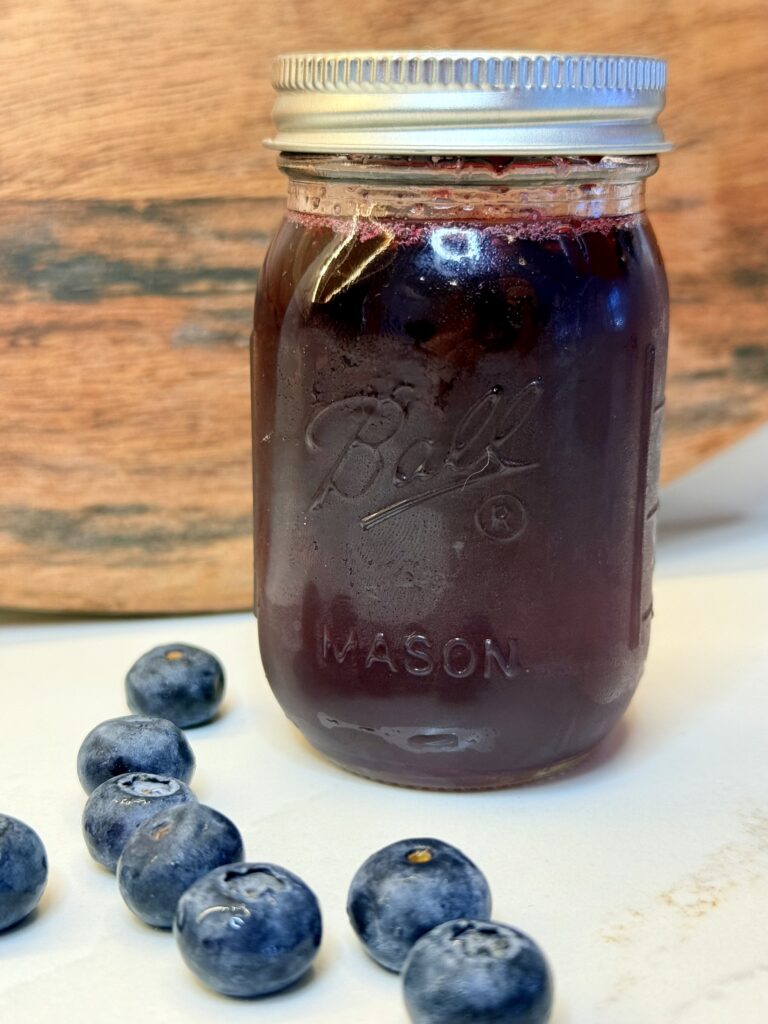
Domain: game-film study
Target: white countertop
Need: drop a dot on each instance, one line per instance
(644, 874)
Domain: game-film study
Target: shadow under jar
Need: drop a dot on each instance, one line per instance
(458, 377)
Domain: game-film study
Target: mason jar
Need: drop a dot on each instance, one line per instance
(458, 381)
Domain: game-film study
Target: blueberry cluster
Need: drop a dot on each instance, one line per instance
(246, 929)
(419, 906)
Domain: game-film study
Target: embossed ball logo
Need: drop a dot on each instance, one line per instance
(351, 432)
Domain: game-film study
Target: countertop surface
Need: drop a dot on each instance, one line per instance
(643, 874)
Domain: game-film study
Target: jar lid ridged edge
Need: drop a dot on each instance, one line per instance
(467, 70)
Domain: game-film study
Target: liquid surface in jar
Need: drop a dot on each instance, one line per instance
(456, 442)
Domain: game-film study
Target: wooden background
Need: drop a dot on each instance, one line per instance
(135, 205)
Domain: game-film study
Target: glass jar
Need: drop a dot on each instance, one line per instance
(458, 374)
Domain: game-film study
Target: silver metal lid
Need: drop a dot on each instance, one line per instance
(468, 102)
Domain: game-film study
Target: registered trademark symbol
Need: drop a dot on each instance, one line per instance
(501, 517)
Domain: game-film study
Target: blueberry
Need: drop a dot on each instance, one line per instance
(170, 851)
(406, 889)
(134, 743)
(248, 929)
(117, 807)
(23, 870)
(477, 972)
(176, 681)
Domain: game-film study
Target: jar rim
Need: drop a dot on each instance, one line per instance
(463, 102)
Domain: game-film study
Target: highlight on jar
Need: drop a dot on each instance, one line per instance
(459, 354)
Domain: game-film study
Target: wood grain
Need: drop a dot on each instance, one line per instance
(135, 205)
(125, 464)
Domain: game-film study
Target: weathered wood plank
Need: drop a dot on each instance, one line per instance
(125, 465)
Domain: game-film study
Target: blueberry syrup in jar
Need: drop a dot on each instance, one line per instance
(458, 383)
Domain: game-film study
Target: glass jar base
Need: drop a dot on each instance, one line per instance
(498, 779)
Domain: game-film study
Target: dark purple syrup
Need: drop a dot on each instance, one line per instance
(456, 443)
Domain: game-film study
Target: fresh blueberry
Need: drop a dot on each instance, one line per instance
(117, 807)
(23, 870)
(477, 972)
(134, 743)
(170, 851)
(248, 929)
(406, 889)
(176, 681)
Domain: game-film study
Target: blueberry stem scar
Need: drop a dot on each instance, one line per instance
(420, 855)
